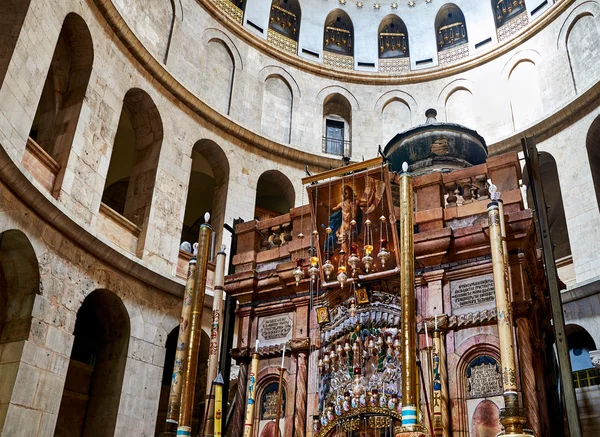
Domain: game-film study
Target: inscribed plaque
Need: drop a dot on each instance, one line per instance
(472, 294)
(274, 330)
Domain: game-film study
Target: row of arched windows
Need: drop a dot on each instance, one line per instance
(338, 31)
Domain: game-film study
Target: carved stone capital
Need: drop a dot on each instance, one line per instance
(301, 344)
(436, 275)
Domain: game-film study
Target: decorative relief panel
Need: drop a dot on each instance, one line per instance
(472, 293)
(275, 330)
(394, 66)
(454, 54)
(338, 62)
(230, 9)
(484, 378)
(282, 42)
(513, 26)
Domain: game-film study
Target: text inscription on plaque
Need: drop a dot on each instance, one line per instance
(478, 291)
(485, 381)
(275, 329)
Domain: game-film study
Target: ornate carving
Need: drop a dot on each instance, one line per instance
(300, 344)
(595, 357)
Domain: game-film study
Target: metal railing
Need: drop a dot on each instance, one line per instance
(586, 378)
(336, 146)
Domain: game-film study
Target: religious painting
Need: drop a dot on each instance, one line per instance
(483, 377)
(486, 420)
(352, 215)
(268, 402)
(361, 296)
(322, 315)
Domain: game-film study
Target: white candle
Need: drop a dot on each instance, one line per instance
(435, 319)
(426, 336)
(256, 346)
(283, 357)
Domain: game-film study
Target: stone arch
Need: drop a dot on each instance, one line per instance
(12, 16)
(57, 114)
(275, 195)
(505, 10)
(556, 212)
(131, 176)
(450, 27)
(207, 190)
(19, 285)
(94, 381)
(265, 378)
(277, 109)
(337, 125)
(275, 70)
(524, 92)
(592, 144)
(580, 344)
(467, 351)
(336, 89)
(459, 107)
(578, 36)
(217, 34)
(396, 117)
(218, 76)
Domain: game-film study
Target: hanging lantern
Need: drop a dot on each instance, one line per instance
(298, 271)
(339, 349)
(327, 268)
(347, 347)
(342, 277)
(352, 309)
(313, 270)
(384, 254)
(368, 246)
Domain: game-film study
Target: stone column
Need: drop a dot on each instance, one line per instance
(300, 348)
(242, 357)
(528, 376)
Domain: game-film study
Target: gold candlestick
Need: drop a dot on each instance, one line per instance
(218, 416)
(251, 394)
(512, 416)
(215, 329)
(180, 353)
(410, 420)
(191, 367)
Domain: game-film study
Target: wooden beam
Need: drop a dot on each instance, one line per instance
(343, 170)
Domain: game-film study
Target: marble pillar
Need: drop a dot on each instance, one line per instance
(300, 348)
(528, 376)
(242, 357)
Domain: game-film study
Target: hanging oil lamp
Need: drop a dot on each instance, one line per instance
(384, 254)
(327, 265)
(298, 271)
(367, 259)
(342, 277)
(352, 309)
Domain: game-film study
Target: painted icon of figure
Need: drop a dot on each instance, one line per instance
(353, 206)
(486, 420)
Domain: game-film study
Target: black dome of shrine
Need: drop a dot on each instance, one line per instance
(436, 146)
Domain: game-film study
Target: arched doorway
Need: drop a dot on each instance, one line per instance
(275, 195)
(19, 284)
(337, 125)
(92, 391)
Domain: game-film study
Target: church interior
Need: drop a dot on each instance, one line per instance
(299, 218)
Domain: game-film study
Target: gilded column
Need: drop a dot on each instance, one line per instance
(436, 400)
(180, 353)
(410, 420)
(251, 395)
(512, 417)
(300, 347)
(191, 366)
(215, 335)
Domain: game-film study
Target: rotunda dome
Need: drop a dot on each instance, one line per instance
(436, 146)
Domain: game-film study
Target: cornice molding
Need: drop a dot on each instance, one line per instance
(376, 78)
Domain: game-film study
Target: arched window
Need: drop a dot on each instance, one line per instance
(338, 35)
(592, 144)
(285, 18)
(207, 191)
(337, 125)
(484, 388)
(581, 344)
(505, 10)
(131, 176)
(450, 27)
(57, 114)
(275, 195)
(525, 94)
(268, 402)
(94, 381)
(393, 38)
(276, 116)
(218, 74)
